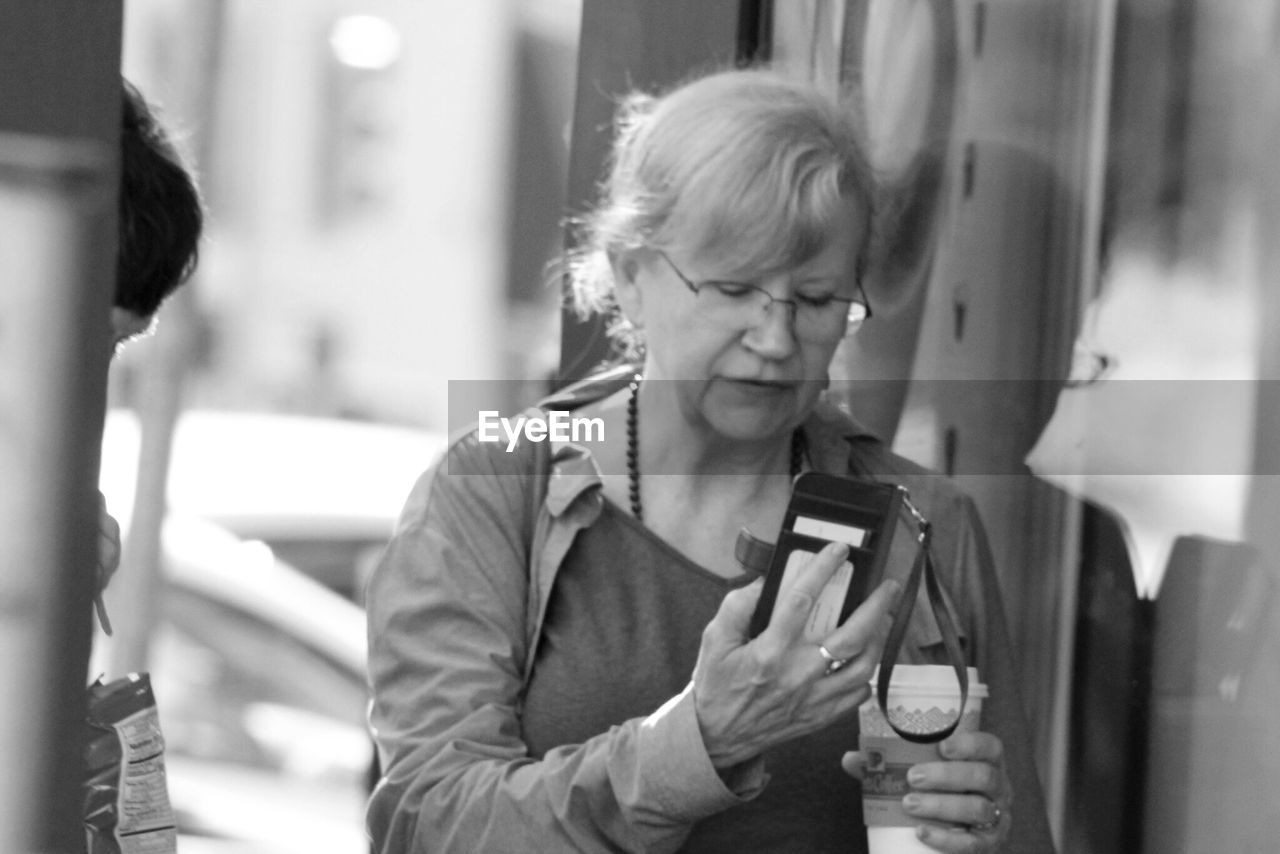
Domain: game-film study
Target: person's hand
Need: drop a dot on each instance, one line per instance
(108, 559)
(968, 792)
(753, 694)
(108, 547)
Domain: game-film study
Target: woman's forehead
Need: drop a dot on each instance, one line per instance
(762, 248)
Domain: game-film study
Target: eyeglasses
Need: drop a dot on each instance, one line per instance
(738, 305)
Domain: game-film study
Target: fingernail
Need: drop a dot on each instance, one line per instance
(837, 549)
(922, 833)
(915, 777)
(911, 803)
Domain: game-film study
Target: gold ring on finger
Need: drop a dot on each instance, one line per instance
(988, 826)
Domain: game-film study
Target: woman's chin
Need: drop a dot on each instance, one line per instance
(745, 413)
(739, 425)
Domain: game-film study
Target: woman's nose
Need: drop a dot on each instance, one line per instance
(773, 334)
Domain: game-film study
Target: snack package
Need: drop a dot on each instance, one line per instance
(126, 795)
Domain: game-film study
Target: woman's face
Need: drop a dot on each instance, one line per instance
(747, 380)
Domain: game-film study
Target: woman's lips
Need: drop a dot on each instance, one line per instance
(761, 386)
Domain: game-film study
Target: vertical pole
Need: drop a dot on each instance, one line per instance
(59, 60)
(52, 196)
(1055, 728)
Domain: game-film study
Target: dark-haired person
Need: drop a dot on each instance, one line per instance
(161, 218)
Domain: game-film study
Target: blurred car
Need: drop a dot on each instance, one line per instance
(258, 666)
(323, 493)
(258, 673)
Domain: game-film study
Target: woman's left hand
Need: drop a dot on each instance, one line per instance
(968, 792)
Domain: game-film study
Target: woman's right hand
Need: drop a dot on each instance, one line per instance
(753, 694)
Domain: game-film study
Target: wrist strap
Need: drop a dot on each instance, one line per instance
(923, 566)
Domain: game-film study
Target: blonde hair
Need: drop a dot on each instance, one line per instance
(746, 165)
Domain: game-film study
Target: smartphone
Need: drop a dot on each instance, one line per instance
(827, 508)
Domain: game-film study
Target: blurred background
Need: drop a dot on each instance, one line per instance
(385, 182)
(1077, 316)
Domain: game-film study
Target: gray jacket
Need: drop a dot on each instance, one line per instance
(455, 611)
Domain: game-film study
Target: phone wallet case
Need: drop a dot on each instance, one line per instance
(831, 508)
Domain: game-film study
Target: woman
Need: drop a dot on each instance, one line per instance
(535, 622)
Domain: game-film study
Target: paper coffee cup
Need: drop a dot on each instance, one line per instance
(923, 698)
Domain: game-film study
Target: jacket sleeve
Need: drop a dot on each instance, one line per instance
(446, 610)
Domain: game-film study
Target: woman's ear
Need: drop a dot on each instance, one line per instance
(626, 264)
